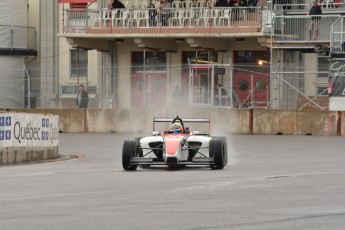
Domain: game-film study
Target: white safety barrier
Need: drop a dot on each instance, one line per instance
(28, 137)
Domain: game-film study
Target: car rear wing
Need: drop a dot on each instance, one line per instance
(185, 120)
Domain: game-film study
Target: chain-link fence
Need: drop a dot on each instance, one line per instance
(198, 85)
(294, 87)
(299, 91)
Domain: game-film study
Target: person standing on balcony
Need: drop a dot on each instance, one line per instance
(239, 11)
(165, 8)
(82, 98)
(222, 3)
(315, 20)
(152, 15)
(116, 4)
(233, 3)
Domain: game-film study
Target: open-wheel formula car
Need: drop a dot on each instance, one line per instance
(176, 147)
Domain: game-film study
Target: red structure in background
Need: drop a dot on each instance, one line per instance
(76, 1)
(148, 79)
(148, 90)
(251, 80)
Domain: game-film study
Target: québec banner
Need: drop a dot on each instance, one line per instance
(336, 78)
(28, 130)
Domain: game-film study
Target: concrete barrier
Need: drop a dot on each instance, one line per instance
(341, 123)
(223, 120)
(293, 122)
(28, 137)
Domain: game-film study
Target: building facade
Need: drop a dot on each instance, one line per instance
(138, 57)
(17, 48)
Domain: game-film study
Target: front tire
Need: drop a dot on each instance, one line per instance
(129, 150)
(218, 150)
(225, 149)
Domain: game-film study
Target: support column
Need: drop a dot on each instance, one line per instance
(275, 62)
(48, 53)
(106, 77)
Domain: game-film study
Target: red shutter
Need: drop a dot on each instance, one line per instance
(75, 1)
(78, 5)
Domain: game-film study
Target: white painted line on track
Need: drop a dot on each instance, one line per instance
(55, 195)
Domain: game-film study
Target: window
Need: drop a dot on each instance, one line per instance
(251, 56)
(323, 67)
(322, 90)
(199, 57)
(154, 61)
(72, 90)
(79, 59)
(247, 60)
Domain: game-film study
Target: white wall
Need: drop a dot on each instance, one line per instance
(13, 12)
(11, 82)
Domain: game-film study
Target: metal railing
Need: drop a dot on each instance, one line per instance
(295, 29)
(18, 37)
(86, 20)
(338, 36)
(300, 5)
(77, 20)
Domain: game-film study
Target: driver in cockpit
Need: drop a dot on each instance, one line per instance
(176, 127)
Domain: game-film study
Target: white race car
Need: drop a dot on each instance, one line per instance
(176, 147)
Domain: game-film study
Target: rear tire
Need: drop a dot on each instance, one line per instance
(218, 150)
(129, 150)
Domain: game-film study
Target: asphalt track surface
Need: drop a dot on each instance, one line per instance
(271, 182)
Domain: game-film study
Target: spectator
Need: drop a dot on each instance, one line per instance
(165, 9)
(239, 13)
(82, 97)
(152, 15)
(233, 3)
(222, 3)
(315, 20)
(243, 3)
(220, 94)
(252, 3)
(116, 4)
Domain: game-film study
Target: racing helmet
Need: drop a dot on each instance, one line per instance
(175, 127)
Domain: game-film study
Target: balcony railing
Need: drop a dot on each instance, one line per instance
(338, 36)
(296, 29)
(173, 20)
(17, 37)
(304, 5)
